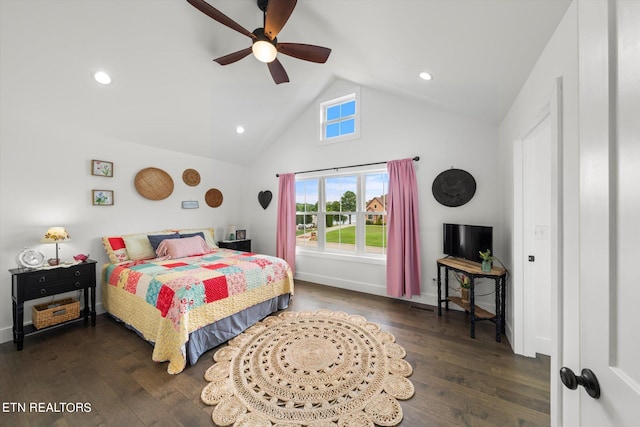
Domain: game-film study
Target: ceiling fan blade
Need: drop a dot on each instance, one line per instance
(277, 14)
(277, 72)
(214, 13)
(306, 52)
(233, 57)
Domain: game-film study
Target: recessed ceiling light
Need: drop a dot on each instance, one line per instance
(239, 129)
(425, 76)
(102, 77)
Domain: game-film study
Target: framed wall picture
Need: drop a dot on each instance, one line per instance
(241, 234)
(102, 197)
(102, 168)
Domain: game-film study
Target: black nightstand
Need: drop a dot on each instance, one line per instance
(236, 245)
(27, 284)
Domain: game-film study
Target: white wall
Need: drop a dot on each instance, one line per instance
(391, 128)
(45, 180)
(559, 59)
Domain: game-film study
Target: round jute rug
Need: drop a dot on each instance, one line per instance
(321, 368)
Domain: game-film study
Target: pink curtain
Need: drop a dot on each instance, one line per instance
(286, 227)
(403, 244)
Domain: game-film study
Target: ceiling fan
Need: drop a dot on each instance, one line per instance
(265, 46)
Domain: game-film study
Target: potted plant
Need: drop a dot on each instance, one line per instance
(465, 284)
(487, 260)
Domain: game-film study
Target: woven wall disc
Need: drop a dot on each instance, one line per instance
(213, 197)
(454, 187)
(191, 177)
(154, 184)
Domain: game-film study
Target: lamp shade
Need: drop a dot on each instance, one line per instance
(56, 235)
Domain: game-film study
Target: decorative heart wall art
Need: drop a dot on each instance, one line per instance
(264, 198)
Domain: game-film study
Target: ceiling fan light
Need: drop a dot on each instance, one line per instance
(264, 51)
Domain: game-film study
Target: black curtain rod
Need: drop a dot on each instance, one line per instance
(415, 159)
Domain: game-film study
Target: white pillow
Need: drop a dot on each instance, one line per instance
(139, 247)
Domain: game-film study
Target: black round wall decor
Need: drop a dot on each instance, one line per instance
(454, 187)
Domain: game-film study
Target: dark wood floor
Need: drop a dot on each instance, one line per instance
(458, 380)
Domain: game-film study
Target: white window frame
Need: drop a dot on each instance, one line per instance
(323, 106)
(360, 214)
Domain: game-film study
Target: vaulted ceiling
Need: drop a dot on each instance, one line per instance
(167, 92)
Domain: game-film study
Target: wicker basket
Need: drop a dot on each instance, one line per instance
(55, 312)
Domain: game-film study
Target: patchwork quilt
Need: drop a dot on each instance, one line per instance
(165, 300)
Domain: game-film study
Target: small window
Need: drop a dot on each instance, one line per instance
(339, 119)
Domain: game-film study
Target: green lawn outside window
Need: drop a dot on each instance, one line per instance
(374, 235)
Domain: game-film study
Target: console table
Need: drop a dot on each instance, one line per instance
(27, 284)
(474, 270)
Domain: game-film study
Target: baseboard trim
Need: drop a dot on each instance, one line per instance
(367, 288)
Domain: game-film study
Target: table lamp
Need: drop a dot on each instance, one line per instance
(56, 235)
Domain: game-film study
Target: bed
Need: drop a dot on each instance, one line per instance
(184, 295)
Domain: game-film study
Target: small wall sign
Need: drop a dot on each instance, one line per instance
(190, 204)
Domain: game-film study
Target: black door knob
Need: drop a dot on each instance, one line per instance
(588, 380)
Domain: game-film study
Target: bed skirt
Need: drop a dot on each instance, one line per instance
(211, 336)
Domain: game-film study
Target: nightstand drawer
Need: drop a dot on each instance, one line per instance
(41, 278)
(75, 272)
(44, 291)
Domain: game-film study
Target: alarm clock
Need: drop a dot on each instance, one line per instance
(30, 258)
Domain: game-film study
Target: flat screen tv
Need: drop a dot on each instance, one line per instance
(466, 241)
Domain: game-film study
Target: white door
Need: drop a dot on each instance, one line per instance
(609, 66)
(536, 154)
(537, 204)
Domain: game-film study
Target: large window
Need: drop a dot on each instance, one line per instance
(339, 118)
(343, 213)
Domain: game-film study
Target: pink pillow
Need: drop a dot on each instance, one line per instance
(180, 248)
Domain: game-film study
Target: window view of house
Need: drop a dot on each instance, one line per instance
(343, 213)
(376, 213)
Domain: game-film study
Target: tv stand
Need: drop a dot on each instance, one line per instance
(474, 270)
